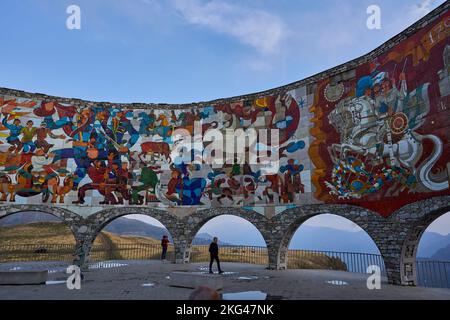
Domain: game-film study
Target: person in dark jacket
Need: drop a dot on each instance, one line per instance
(164, 245)
(214, 254)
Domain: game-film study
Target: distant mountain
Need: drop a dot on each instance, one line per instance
(131, 227)
(121, 226)
(26, 218)
(235, 232)
(431, 243)
(329, 239)
(203, 238)
(442, 254)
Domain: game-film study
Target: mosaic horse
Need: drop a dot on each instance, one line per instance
(28, 186)
(155, 148)
(364, 132)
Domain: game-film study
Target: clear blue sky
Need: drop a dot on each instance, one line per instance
(186, 50)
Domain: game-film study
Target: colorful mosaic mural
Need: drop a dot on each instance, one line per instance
(382, 136)
(59, 153)
(376, 136)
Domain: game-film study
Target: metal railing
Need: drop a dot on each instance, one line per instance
(130, 252)
(345, 261)
(36, 252)
(435, 274)
(297, 259)
(429, 273)
(65, 252)
(243, 254)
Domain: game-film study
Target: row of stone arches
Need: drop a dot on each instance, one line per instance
(396, 237)
(123, 239)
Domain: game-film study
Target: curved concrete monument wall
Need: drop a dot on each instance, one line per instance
(372, 134)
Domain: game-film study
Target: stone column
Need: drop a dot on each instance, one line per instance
(274, 259)
(282, 253)
(182, 251)
(392, 264)
(181, 233)
(84, 239)
(182, 241)
(81, 255)
(391, 251)
(277, 251)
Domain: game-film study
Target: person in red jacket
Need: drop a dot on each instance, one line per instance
(164, 245)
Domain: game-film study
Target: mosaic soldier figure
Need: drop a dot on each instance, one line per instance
(28, 134)
(98, 174)
(41, 135)
(14, 132)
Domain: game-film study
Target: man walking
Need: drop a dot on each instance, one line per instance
(164, 245)
(214, 254)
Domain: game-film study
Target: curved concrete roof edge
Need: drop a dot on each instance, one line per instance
(347, 66)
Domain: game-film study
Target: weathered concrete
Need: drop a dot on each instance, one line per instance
(127, 283)
(194, 279)
(23, 277)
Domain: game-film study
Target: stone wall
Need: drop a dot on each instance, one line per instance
(397, 237)
(368, 140)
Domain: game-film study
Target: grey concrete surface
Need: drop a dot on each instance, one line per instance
(23, 277)
(148, 280)
(194, 279)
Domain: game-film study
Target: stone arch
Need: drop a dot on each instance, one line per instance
(66, 216)
(94, 224)
(196, 220)
(412, 220)
(290, 220)
(98, 221)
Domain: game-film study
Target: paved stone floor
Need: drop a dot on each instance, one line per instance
(126, 282)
